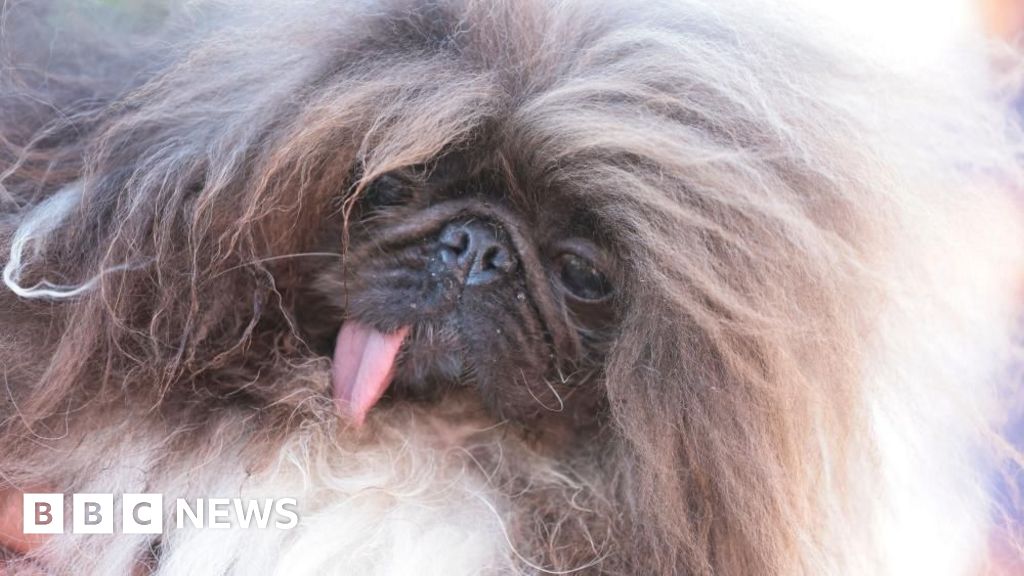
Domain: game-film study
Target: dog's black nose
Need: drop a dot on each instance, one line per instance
(477, 252)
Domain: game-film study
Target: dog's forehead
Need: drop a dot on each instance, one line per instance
(550, 206)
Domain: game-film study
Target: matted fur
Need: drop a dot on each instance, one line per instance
(820, 298)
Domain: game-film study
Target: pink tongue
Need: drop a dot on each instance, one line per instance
(364, 362)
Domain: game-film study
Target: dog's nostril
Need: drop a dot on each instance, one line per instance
(476, 251)
(455, 239)
(495, 257)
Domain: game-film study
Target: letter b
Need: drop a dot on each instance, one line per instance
(92, 513)
(42, 513)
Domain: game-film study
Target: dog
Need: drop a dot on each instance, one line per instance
(505, 287)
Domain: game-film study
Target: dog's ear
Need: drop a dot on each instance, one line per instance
(737, 409)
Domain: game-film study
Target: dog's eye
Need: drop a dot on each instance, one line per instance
(582, 279)
(387, 190)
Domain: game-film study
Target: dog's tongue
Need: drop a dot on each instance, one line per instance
(364, 362)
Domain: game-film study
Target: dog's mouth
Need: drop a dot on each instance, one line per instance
(417, 361)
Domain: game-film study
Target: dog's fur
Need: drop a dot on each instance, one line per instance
(817, 299)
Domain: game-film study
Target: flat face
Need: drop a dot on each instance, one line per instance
(507, 290)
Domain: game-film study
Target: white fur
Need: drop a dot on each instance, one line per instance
(941, 348)
(29, 241)
(392, 503)
(31, 234)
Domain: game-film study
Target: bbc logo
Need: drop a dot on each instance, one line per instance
(92, 513)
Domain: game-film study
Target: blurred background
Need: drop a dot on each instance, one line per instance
(1004, 20)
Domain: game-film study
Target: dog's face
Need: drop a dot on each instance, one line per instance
(454, 276)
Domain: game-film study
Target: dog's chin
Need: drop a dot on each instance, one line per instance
(431, 359)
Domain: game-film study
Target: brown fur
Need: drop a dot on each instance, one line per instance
(751, 240)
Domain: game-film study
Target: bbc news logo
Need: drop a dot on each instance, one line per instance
(144, 513)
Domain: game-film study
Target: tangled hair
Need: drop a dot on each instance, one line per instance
(821, 260)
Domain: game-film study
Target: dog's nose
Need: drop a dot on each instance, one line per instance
(478, 252)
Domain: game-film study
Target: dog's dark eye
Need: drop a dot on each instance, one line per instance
(386, 190)
(582, 279)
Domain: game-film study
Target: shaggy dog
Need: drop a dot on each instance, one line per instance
(505, 287)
